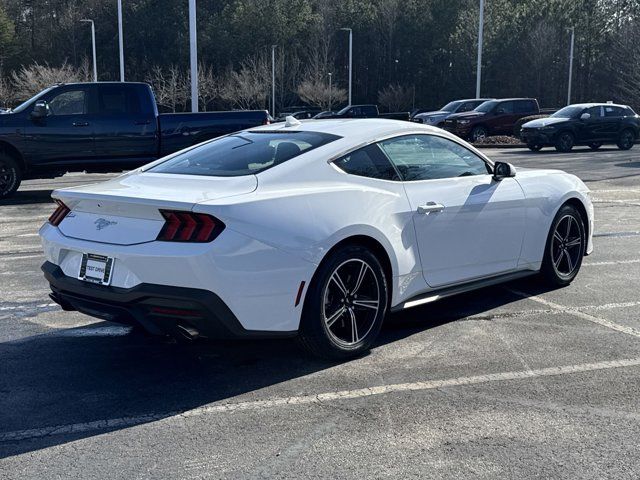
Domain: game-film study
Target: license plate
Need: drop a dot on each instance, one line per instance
(96, 269)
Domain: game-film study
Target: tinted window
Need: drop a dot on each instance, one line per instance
(427, 157)
(368, 162)
(568, 112)
(71, 102)
(505, 108)
(467, 107)
(613, 112)
(595, 112)
(117, 100)
(450, 107)
(486, 106)
(243, 153)
(525, 106)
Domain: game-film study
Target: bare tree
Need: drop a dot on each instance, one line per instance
(31, 79)
(318, 93)
(6, 93)
(395, 97)
(248, 88)
(171, 88)
(209, 85)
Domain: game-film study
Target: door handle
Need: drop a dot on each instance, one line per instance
(430, 207)
(80, 124)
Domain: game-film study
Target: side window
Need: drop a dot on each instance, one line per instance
(429, 157)
(613, 112)
(524, 106)
(505, 108)
(595, 112)
(117, 100)
(368, 162)
(369, 111)
(71, 102)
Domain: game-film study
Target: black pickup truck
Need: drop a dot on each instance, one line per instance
(100, 127)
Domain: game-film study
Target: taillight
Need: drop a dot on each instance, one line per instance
(189, 227)
(59, 214)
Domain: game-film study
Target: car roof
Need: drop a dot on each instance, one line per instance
(598, 104)
(357, 129)
(511, 99)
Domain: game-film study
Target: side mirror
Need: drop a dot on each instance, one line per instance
(503, 170)
(585, 116)
(40, 110)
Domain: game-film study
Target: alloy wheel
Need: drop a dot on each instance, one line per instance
(7, 178)
(626, 140)
(566, 246)
(351, 302)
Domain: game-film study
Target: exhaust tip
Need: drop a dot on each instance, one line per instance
(186, 332)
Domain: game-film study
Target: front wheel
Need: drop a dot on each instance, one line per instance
(564, 142)
(566, 244)
(345, 305)
(595, 145)
(10, 176)
(626, 140)
(479, 133)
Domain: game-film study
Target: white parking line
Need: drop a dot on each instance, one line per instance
(124, 422)
(612, 262)
(579, 313)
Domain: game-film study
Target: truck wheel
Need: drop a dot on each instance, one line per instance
(564, 142)
(595, 145)
(10, 176)
(626, 139)
(478, 133)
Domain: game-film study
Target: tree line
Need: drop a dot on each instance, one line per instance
(406, 53)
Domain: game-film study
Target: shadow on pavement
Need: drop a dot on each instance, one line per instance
(51, 380)
(26, 197)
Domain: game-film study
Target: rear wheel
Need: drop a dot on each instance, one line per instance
(595, 145)
(534, 147)
(479, 133)
(626, 139)
(345, 305)
(10, 176)
(564, 142)
(566, 244)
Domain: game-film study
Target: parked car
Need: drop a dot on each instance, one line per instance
(316, 230)
(493, 117)
(591, 124)
(301, 114)
(436, 118)
(100, 127)
(325, 114)
(366, 111)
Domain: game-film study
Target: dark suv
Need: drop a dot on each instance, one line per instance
(589, 124)
(493, 117)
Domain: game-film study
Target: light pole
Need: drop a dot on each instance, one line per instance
(93, 48)
(273, 80)
(120, 46)
(480, 37)
(350, 59)
(330, 91)
(573, 37)
(193, 55)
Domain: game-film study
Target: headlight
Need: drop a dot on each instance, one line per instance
(464, 122)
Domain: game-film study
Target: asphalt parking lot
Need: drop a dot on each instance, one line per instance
(512, 381)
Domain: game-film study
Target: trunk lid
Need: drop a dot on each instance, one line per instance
(126, 210)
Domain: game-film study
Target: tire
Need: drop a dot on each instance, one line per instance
(332, 307)
(595, 145)
(565, 142)
(534, 147)
(479, 133)
(10, 176)
(566, 244)
(626, 139)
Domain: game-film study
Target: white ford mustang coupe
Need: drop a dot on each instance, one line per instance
(316, 229)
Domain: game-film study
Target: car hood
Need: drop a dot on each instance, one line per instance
(544, 122)
(466, 115)
(441, 113)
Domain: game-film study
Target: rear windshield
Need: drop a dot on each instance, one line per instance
(243, 153)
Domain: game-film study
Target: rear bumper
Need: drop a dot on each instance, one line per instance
(157, 308)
